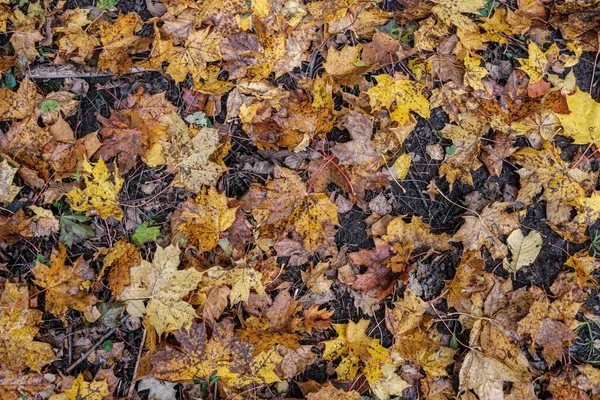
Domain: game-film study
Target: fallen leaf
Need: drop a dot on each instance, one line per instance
(524, 249)
(164, 286)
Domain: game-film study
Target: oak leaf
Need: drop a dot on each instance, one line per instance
(17, 332)
(164, 285)
(100, 196)
(64, 283)
(483, 229)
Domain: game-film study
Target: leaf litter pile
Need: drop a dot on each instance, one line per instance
(299, 199)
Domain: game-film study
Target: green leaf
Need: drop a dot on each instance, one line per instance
(9, 80)
(450, 150)
(145, 233)
(106, 4)
(49, 105)
(72, 227)
(199, 118)
(107, 345)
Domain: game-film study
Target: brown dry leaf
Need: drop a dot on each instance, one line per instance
(483, 229)
(138, 131)
(361, 148)
(119, 260)
(484, 375)
(584, 265)
(196, 356)
(199, 222)
(416, 234)
(65, 284)
(283, 205)
(465, 138)
(164, 285)
(316, 319)
(328, 392)
(117, 39)
(315, 280)
(19, 328)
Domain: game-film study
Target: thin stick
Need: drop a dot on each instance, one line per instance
(95, 346)
(137, 364)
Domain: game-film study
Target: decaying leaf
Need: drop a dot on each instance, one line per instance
(164, 286)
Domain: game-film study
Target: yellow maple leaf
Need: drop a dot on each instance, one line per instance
(241, 279)
(164, 285)
(451, 12)
(582, 124)
(76, 41)
(200, 47)
(190, 152)
(353, 345)
(202, 220)
(64, 283)
(19, 104)
(80, 389)
(100, 195)
(416, 234)
(399, 97)
(474, 72)
(17, 331)
(584, 265)
(537, 63)
(246, 369)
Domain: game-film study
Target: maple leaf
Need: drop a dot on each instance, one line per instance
(189, 152)
(466, 139)
(483, 229)
(474, 72)
(583, 120)
(416, 233)
(17, 331)
(64, 283)
(284, 205)
(202, 220)
(404, 94)
(241, 279)
(361, 148)
(119, 259)
(353, 345)
(76, 41)
(345, 65)
(544, 171)
(315, 280)
(100, 195)
(245, 369)
(137, 131)
(538, 62)
(8, 191)
(584, 265)
(328, 391)
(80, 389)
(19, 104)
(317, 319)
(117, 40)
(164, 285)
(451, 12)
(200, 47)
(196, 356)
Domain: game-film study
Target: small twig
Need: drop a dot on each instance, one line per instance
(95, 346)
(67, 71)
(137, 364)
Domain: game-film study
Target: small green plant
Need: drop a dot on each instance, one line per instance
(450, 150)
(205, 385)
(72, 227)
(107, 345)
(594, 248)
(106, 4)
(489, 6)
(590, 342)
(76, 176)
(49, 105)
(145, 233)
(9, 80)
